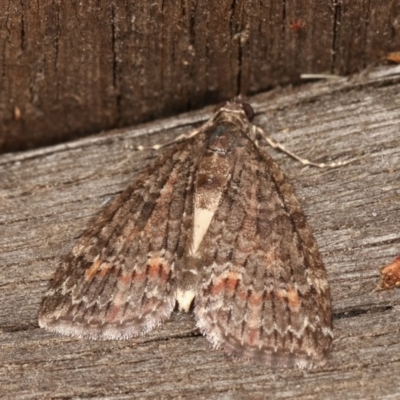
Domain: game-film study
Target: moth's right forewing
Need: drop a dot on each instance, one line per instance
(264, 297)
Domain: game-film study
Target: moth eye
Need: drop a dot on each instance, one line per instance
(248, 109)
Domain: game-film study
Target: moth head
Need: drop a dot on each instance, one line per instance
(235, 104)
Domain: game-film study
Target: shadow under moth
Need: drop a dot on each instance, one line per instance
(214, 225)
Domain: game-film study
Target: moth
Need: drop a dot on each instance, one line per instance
(214, 225)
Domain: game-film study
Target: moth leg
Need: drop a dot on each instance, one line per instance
(304, 161)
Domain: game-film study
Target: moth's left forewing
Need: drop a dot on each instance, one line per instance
(264, 295)
(119, 280)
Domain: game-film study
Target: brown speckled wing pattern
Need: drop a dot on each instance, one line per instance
(214, 222)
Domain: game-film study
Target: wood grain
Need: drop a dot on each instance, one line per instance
(75, 68)
(48, 196)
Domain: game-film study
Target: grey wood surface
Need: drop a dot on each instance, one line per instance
(48, 196)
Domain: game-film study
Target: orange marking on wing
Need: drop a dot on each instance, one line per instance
(165, 272)
(154, 270)
(158, 267)
(293, 300)
(112, 313)
(228, 282)
(141, 276)
(231, 284)
(125, 279)
(218, 286)
(92, 270)
(255, 300)
(253, 335)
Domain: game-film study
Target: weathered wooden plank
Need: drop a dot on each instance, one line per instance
(69, 69)
(47, 196)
